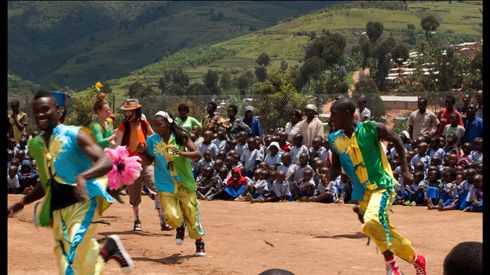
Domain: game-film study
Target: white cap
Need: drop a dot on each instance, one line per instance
(165, 115)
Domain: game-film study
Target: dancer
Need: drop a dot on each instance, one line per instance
(71, 167)
(132, 132)
(357, 148)
(171, 148)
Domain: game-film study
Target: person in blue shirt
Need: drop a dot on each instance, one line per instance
(252, 122)
(473, 126)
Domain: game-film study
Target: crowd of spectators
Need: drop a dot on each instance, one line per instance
(240, 162)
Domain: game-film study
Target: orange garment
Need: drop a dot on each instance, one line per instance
(135, 137)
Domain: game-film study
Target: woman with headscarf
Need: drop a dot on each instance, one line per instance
(172, 149)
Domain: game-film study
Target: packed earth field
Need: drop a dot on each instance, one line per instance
(245, 238)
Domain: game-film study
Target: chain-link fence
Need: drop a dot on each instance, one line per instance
(273, 111)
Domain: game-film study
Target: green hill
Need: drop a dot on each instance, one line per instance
(460, 21)
(19, 87)
(74, 43)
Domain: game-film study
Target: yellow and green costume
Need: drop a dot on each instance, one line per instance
(176, 185)
(59, 163)
(367, 167)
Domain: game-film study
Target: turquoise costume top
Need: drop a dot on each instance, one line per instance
(63, 160)
(170, 169)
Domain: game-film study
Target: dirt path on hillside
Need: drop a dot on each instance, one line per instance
(244, 238)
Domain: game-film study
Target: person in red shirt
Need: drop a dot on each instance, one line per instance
(445, 113)
(132, 133)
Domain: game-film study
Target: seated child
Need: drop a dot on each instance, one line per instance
(421, 156)
(305, 187)
(256, 189)
(222, 140)
(432, 190)
(235, 185)
(414, 193)
(448, 190)
(286, 163)
(476, 196)
(280, 188)
(317, 150)
(13, 181)
(326, 191)
(204, 162)
(208, 184)
(465, 157)
(274, 153)
(298, 148)
(218, 164)
(477, 154)
(242, 142)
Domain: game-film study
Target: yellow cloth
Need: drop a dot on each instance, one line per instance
(180, 206)
(87, 259)
(373, 228)
(22, 118)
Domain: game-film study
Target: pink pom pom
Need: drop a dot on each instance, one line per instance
(125, 170)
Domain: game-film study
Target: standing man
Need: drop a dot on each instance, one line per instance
(466, 102)
(132, 133)
(479, 103)
(213, 121)
(70, 166)
(18, 121)
(252, 122)
(237, 125)
(473, 126)
(422, 122)
(310, 127)
(357, 149)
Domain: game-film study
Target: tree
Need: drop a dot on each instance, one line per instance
(197, 89)
(244, 81)
(278, 99)
(138, 90)
(225, 81)
(210, 80)
(260, 73)
(429, 24)
(382, 53)
(263, 59)
(399, 55)
(365, 47)
(175, 89)
(332, 55)
(312, 68)
(179, 77)
(374, 30)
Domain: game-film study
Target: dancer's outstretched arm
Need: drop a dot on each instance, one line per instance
(36, 194)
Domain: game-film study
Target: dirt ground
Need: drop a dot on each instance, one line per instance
(244, 238)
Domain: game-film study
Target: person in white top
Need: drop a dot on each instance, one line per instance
(362, 113)
(292, 127)
(310, 127)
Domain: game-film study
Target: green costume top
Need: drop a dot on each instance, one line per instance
(363, 158)
(188, 123)
(100, 133)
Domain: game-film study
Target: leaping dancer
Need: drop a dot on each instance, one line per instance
(357, 148)
(70, 166)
